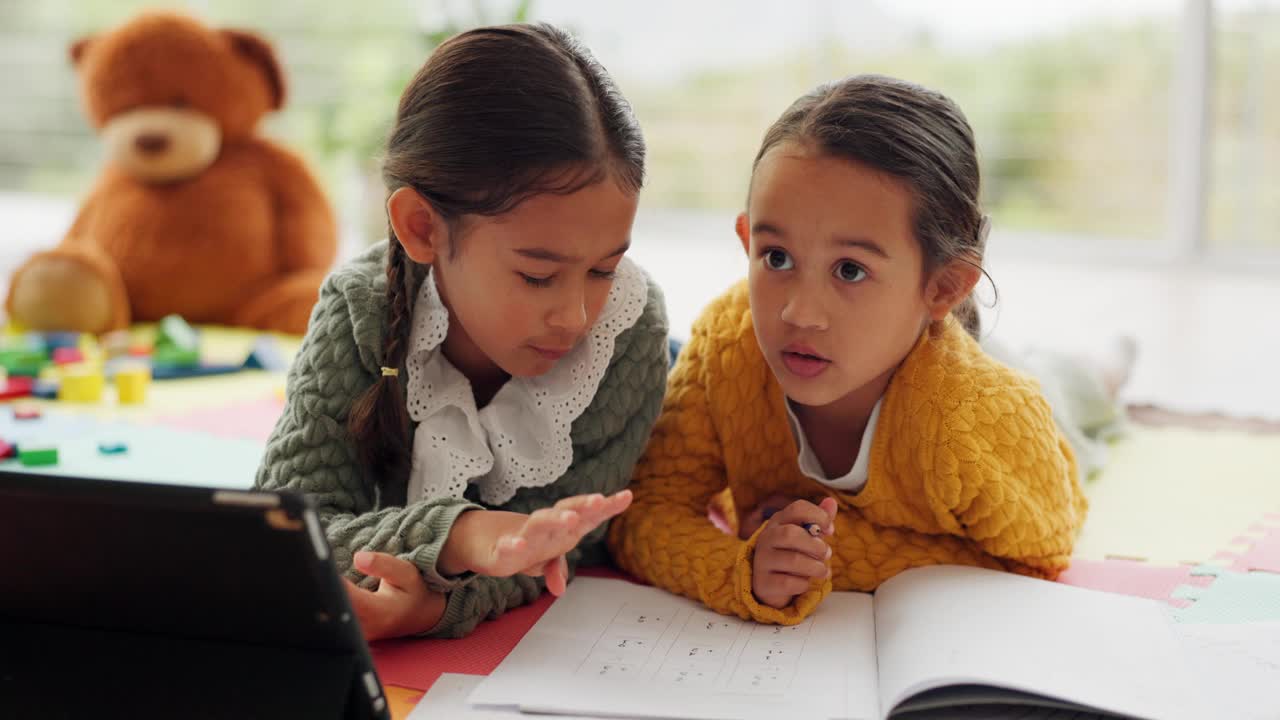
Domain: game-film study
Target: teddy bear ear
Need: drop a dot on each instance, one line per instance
(79, 48)
(259, 52)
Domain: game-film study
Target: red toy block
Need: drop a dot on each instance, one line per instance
(17, 387)
(67, 356)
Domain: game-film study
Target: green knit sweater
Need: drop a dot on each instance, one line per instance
(311, 451)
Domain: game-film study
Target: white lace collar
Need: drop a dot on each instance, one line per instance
(521, 438)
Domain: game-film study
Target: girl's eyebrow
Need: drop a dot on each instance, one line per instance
(762, 227)
(553, 256)
(870, 246)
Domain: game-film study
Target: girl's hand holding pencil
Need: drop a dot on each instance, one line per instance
(792, 551)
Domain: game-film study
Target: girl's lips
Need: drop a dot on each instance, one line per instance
(803, 364)
(550, 353)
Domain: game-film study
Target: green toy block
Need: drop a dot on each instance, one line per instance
(38, 456)
(174, 332)
(169, 356)
(17, 361)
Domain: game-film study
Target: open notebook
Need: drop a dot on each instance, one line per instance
(933, 641)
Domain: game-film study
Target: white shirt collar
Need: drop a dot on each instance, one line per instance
(522, 437)
(852, 481)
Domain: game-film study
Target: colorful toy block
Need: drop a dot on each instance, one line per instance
(132, 384)
(67, 356)
(38, 456)
(23, 361)
(112, 448)
(266, 355)
(26, 412)
(57, 340)
(81, 385)
(46, 389)
(176, 333)
(174, 357)
(8, 450)
(16, 387)
(171, 372)
(117, 343)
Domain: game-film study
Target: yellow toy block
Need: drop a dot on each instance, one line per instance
(81, 385)
(131, 385)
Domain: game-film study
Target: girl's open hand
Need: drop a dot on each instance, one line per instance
(499, 543)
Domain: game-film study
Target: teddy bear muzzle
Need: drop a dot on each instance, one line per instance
(159, 145)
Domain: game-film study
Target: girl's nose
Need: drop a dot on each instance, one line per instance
(805, 310)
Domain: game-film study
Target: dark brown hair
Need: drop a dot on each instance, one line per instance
(914, 134)
(495, 116)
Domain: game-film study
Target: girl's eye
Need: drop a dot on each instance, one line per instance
(538, 282)
(604, 274)
(850, 272)
(776, 259)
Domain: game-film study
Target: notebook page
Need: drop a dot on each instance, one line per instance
(1239, 665)
(610, 647)
(950, 625)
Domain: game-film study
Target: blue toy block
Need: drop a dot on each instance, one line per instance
(266, 355)
(169, 372)
(55, 340)
(45, 390)
(112, 448)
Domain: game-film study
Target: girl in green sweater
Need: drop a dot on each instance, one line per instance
(471, 396)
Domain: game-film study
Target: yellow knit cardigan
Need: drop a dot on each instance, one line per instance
(967, 467)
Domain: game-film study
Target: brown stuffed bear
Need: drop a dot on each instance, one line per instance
(193, 213)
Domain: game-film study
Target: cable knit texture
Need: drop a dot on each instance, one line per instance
(310, 450)
(967, 467)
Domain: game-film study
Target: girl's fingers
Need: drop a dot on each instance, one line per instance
(595, 509)
(548, 521)
(585, 504)
(365, 605)
(551, 532)
(797, 564)
(794, 538)
(789, 584)
(803, 512)
(542, 539)
(830, 507)
(388, 568)
(557, 575)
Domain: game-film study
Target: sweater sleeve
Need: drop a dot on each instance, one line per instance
(608, 439)
(666, 538)
(1013, 488)
(311, 452)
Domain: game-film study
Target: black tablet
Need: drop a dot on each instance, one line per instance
(138, 600)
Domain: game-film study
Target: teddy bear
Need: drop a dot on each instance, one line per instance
(194, 213)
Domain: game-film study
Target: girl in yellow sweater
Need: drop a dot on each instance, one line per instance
(844, 376)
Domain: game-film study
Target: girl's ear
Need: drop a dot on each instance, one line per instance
(743, 227)
(418, 226)
(949, 285)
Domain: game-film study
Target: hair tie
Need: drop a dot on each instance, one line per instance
(390, 372)
(984, 228)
